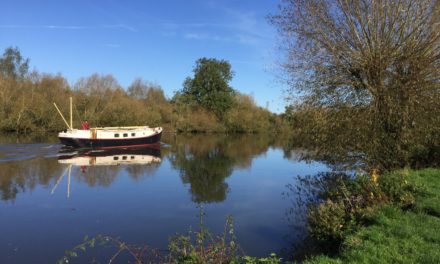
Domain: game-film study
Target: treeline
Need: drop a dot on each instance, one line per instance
(203, 105)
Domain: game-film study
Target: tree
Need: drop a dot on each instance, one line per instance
(13, 65)
(145, 90)
(209, 88)
(383, 54)
(97, 84)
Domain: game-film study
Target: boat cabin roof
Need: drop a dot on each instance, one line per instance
(121, 128)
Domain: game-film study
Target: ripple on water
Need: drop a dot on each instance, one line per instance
(19, 152)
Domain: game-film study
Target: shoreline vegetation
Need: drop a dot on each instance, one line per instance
(202, 105)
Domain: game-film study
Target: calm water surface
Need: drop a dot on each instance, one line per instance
(51, 199)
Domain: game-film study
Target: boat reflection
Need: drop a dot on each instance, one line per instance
(140, 156)
(101, 167)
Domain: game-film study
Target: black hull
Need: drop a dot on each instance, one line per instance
(110, 143)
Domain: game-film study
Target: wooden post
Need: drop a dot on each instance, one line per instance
(71, 114)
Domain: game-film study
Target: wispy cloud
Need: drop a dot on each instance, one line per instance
(70, 27)
(205, 36)
(43, 27)
(245, 28)
(195, 25)
(121, 26)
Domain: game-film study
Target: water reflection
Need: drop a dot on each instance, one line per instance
(19, 176)
(145, 195)
(96, 167)
(112, 157)
(28, 165)
(204, 162)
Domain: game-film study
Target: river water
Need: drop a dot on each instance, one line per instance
(51, 198)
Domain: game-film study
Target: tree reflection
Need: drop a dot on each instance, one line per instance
(205, 161)
(19, 176)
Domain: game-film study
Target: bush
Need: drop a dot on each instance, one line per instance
(327, 220)
(346, 203)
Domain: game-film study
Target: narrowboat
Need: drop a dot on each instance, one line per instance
(111, 137)
(107, 137)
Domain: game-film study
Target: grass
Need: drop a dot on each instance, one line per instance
(428, 198)
(395, 235)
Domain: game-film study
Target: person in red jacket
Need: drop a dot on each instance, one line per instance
(85, 125)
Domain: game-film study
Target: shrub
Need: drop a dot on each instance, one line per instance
(326, 220)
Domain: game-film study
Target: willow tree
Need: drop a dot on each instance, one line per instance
(383, 55)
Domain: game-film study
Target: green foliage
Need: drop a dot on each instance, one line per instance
(13, 65)
(139, 254)
(209, 87)
(394, 233)
(398, 187)
(327, 220)
(203, 247)
(347, 202)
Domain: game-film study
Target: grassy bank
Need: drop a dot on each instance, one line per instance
(398, 235)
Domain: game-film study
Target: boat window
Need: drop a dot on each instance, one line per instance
(124, 157)
(125, 135)
(133, 134)
(115, 158)
(132, 157)
(116, 135)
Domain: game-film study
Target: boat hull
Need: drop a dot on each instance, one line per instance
(111, 143)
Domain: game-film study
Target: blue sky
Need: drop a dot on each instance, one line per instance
(158, 41)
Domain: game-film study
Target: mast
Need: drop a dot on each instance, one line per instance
(62, 115)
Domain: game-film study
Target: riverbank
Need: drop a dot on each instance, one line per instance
(395, 231)
(395, 234)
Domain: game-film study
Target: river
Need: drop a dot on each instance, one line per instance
(52, 198)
